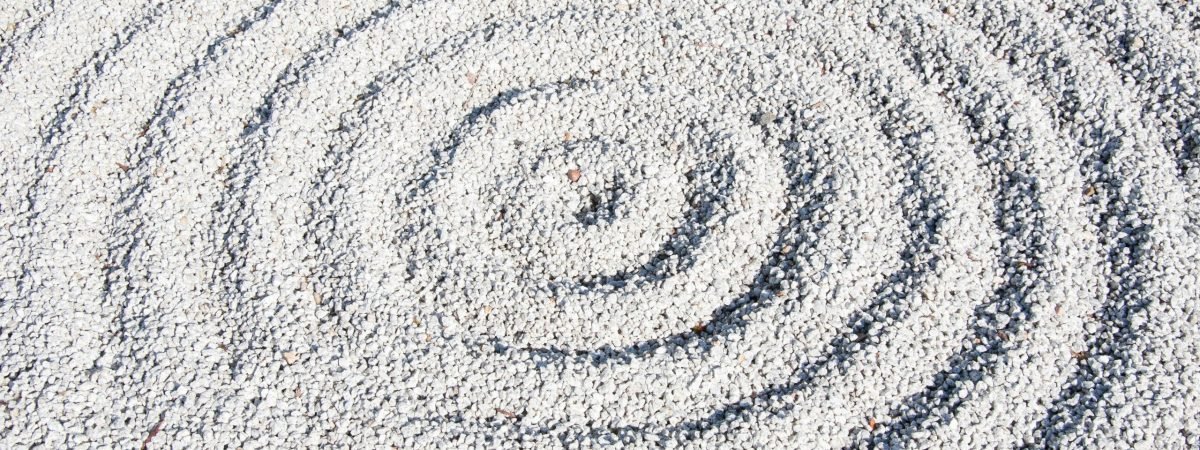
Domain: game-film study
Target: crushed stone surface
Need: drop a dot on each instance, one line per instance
(526, 224)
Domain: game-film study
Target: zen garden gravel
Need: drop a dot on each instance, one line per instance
(700, 224)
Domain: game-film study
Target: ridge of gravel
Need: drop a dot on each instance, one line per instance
(444, 223)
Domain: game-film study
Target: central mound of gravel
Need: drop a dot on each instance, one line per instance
(955, 224)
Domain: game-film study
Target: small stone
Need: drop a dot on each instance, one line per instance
(291, 357)
(574, 175)
(765, 118)
(1137, 43)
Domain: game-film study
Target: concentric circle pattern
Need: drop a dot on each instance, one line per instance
(444, 223)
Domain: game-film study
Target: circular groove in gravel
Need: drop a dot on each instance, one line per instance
(444, 223)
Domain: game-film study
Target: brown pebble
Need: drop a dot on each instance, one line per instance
(574, 175)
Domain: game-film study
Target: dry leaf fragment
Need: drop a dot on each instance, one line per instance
(871, 423)
(506, 413)
(153, 432)
(291, 357)
(97, 106)
(124, 167)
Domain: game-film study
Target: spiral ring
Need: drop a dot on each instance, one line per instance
(444, 223)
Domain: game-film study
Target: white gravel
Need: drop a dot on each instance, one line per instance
(351, 223)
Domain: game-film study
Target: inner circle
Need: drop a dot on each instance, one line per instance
(600, 200)
(536, 180)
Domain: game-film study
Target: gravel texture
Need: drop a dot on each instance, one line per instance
(246, 224)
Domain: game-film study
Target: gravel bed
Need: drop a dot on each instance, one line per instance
(527, 224)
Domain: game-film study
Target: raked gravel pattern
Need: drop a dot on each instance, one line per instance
(947, 224)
